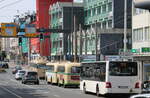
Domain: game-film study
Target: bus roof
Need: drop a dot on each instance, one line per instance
(106, 61)
(69, 64)
(52, 63)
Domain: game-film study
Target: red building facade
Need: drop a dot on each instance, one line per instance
(42, 21)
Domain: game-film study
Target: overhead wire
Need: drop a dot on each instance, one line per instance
(10, 4)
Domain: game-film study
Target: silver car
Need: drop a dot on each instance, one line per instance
(141, 96)
(19, 74)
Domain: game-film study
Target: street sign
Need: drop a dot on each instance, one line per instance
(134, 50)
(145, 49)
(8, 29)
(30, 28)
(113, 58)
(31, 34)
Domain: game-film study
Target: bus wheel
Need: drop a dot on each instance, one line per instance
(48, 82)
(58, 83)
(46, 79)
(51, 81)
(97, 91)
(84, 89)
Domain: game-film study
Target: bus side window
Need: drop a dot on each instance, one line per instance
(61, 69)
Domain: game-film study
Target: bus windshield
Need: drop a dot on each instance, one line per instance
(123, 69)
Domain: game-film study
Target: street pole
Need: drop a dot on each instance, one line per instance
(28, 51)
(75, 56)
(49, 47)
(80, 30)
(125, 26)
(96, 41)
(72, 28)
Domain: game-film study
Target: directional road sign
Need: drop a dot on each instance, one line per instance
(8, 29)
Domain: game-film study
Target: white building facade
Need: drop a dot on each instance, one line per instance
(141, 32)
(141, 40)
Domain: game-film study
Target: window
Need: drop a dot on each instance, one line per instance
(104, 25)
(86, 14)
(139, 35)
(99, 25)
(50, 68)
(137, 11)
(93, 11)
(93, 71)
(99, 10)
(110, 7)
(75, 69)
(100, 71)
(146, 34)
(89, 13)
(83, 41)
(110, 24)
(103, 8)
(61, 69)
(123, 69)
(134, 35)
(60, 14)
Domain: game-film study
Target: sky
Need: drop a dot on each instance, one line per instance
(10, 8)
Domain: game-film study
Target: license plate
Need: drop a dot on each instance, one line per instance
(123, 87)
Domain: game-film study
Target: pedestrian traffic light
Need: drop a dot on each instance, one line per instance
(20, 41)
(41, 37)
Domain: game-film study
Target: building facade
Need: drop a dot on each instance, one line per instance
(61, 14)
(141, 40)
(42, 21)
(106, 18)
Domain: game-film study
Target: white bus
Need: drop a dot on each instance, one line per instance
(110, 77)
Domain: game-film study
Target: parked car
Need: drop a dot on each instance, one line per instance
(141, 96)
(19, 74)
(30, 77)
(5, 65)
(15, 69)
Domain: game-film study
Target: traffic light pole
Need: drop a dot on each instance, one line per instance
(29, 52)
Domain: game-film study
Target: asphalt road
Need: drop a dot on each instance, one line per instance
(11, 88)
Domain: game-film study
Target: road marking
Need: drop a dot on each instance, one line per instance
(11, 92)
(20, 83)
(57, 96)
(13, 80)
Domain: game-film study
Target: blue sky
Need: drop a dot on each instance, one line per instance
(10, 8)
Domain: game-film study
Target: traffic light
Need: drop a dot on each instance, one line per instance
(20, 41)
(41, 37)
